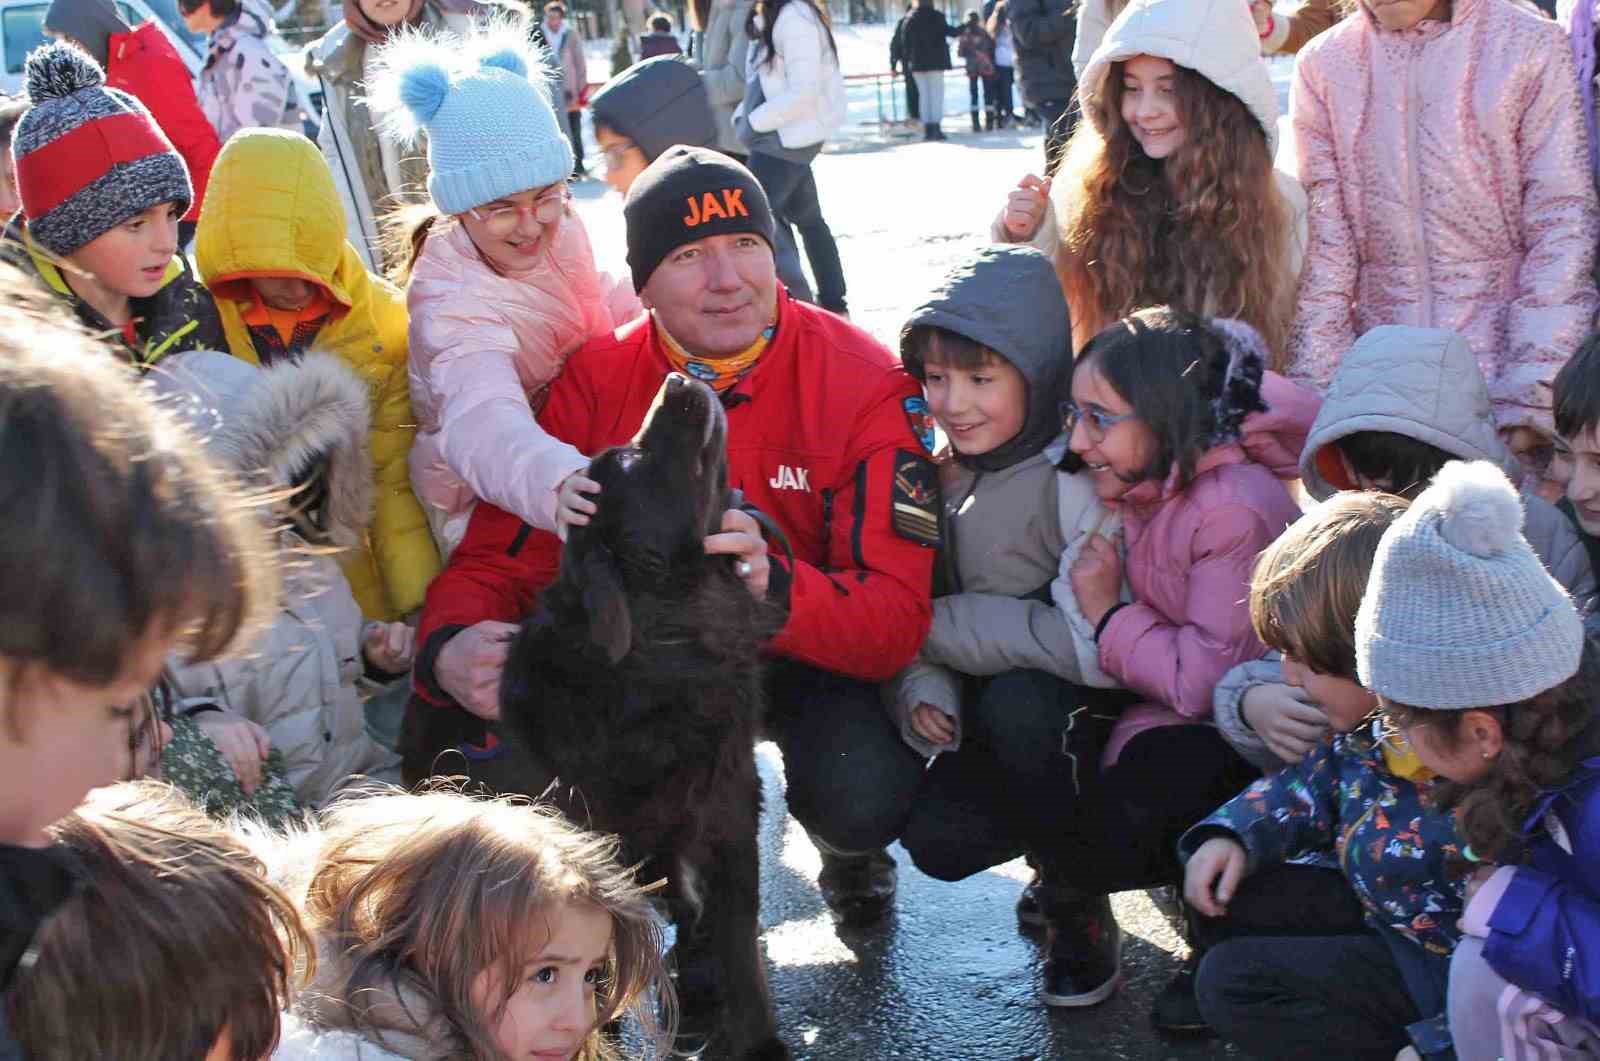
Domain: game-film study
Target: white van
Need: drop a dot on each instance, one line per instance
(22, 30)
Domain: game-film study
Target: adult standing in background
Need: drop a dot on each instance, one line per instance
(372, 174)
(723, 56)
(928, 55)
(793, 101)
(143, 63)
(1044, 32)
(243, 84)
(1005, 60)
(897, 61)
(566, 55)
(1288, 31)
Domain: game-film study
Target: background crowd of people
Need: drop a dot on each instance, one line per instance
(1229, 523)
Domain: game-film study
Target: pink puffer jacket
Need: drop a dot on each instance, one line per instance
(1447, 168)
(484, 346)
(1190, 551)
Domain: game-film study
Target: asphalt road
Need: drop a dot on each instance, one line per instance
(949, 976)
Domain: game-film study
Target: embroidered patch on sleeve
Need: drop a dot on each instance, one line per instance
(921, 420)
(914, 498)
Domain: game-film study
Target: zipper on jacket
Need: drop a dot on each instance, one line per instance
(827, 525)
(1413, 106)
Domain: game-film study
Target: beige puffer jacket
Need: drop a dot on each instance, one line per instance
(301, 680)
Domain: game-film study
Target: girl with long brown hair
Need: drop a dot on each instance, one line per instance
(483, 930)
(1167, 193)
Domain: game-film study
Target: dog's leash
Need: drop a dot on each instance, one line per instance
(769, 527)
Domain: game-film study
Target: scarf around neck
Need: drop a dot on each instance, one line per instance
(725, 372)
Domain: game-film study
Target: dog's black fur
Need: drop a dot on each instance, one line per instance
(638, 686)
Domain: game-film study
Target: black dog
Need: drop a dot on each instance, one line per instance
(637, 686)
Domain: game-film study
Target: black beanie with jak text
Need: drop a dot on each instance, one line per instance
(689, 194)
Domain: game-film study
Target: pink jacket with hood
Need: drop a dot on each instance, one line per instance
(1448, 170)
(1190, 549)
(484, 346)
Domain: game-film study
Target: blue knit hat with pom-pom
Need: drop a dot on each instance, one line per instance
(490, 126)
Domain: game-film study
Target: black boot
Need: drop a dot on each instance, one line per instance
(928, 135)
(1085, 947)
(858, 886)
(1176, 1010)
(988, 120)
(1030, 906)
(975, 126)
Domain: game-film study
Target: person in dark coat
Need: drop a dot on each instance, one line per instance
(897, 60)
(928, 56)
(660, 40)
(1044, 32)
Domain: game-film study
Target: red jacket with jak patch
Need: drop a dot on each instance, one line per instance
(817, 433)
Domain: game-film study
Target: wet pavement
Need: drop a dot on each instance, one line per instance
(948, 977)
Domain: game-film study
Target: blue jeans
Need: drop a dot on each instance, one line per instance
(792, 191)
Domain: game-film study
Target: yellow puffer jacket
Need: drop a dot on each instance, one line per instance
(272, 210)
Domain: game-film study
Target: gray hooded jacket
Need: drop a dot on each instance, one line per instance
(1012, 524)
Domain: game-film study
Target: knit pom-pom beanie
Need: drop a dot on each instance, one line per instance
(1459, 612)
(483, 102)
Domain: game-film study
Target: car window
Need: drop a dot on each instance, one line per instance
(23, 29)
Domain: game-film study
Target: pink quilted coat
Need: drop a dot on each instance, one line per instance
(1190, 551)
(1447, 168)
(484, 346)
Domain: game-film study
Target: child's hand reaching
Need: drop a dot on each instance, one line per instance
(573, 508)
(1213, 875)
(242, 743)
(1025, 208)
(1097, 578)
(388, 647)
(1285, 719)
(932, 725)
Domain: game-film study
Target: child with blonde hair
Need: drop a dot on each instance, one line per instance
(449, 926)
(501, 280)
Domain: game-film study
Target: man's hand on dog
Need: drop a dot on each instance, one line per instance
(741, 539)
(573, 508)
(469, 666)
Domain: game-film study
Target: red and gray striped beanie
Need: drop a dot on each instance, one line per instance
(88, 157)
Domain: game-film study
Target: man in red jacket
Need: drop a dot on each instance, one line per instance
(820, 438)
(143, 63)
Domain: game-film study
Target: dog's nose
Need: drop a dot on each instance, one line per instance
(676, 381)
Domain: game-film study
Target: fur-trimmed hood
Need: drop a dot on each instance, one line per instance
(273, 423)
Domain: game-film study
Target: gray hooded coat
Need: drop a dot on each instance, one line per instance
(1011, 523)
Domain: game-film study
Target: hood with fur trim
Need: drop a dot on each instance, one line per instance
(1215, 38)
(271, 424)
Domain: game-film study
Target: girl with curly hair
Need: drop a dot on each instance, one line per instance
(1167, 193)
(1479, 658)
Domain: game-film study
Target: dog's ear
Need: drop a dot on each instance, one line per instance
(606, 600)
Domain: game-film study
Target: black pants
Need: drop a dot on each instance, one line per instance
(973, 81)
(1027, 779)
(1283, 900)
(1060, 117)
(849, 778)
(1307, 997)
(1003, 78)
(791, 189)
(575, 134)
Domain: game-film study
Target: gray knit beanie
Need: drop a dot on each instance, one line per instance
(1459, 612)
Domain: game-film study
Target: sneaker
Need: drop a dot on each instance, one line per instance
(1030, 911)
(858, 887)
(1085, 961)
(1176, 1011)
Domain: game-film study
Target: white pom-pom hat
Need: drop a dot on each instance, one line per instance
(1459, 611)
(484, 102)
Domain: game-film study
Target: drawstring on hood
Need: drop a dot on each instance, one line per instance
(1038, 344)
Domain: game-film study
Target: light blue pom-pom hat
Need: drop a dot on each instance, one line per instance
(484, 103)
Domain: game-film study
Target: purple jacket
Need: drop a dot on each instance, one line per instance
(1190, 551)
(1544, 933)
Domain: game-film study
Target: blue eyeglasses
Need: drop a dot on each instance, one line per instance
(1096, 421)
